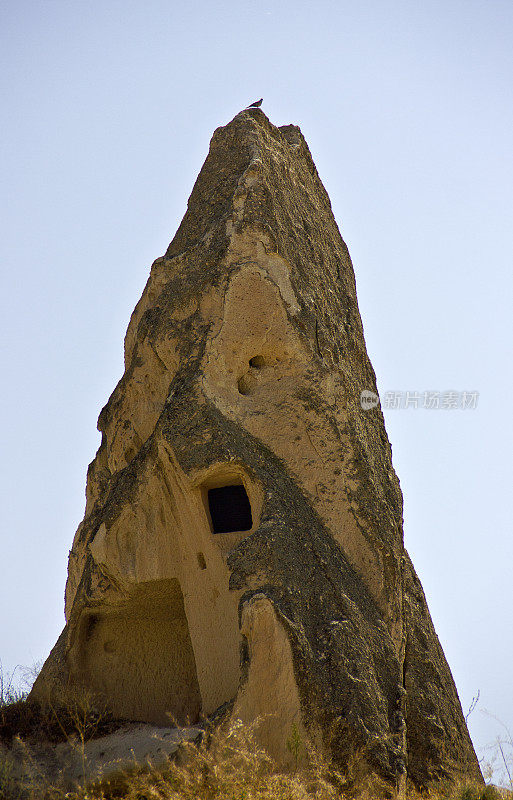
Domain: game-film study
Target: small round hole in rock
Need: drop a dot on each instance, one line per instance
(257, 361)
(244, 385)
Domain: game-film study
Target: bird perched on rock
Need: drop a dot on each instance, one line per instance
(256, 104)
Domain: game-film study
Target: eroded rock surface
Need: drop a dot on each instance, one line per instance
(242, 542)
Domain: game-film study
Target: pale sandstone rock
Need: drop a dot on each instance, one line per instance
(109, 758)
(269, 693)
(113, 757)
(244, 364)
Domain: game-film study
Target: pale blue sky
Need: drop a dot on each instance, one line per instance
(106, 113)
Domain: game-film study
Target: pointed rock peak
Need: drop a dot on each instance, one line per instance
(242, 543)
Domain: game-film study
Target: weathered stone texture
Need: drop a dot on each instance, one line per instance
(244, 363)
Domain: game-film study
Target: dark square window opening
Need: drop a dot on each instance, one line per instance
(230, 509)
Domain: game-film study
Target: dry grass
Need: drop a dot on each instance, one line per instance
(227, 765)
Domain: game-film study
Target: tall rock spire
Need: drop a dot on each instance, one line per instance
(242, 543)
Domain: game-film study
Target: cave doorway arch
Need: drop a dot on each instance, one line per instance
(138, 657)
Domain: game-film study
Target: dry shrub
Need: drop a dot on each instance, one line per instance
(463, 791)
(227, 765)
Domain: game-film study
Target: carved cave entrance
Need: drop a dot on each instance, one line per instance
(138, 657)
(230, 509)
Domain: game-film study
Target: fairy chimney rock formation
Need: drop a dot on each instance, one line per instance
(242, 543)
